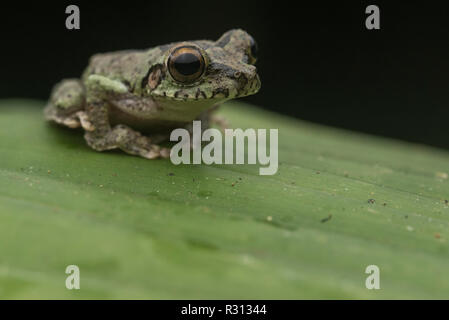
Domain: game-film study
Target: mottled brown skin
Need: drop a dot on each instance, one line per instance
(124, 94)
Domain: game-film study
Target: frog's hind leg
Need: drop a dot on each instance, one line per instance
(66, 105)
(101, 94)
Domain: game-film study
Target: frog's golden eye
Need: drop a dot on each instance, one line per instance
(186, 64)
(252, 50)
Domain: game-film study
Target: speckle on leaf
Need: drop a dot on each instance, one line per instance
(326, 219)
(171, 174)
(371, 201)
(441, 175)
(446, 201)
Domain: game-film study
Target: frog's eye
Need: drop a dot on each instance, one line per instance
(186, 64)
(252, 50)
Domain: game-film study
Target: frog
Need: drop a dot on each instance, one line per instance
(132, 99)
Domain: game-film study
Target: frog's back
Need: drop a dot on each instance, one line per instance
(126, 66)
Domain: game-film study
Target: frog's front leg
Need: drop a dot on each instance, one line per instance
(100, 93)
(209, 118)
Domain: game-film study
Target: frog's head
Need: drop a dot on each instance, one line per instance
(206, 70)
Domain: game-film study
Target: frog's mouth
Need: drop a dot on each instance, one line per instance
(197, 95)
(239, 86)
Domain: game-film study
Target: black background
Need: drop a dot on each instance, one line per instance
(276, 309)
(317, 60)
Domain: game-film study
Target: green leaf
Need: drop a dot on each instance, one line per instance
(149, 229)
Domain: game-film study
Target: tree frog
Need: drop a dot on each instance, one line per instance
(131, 100)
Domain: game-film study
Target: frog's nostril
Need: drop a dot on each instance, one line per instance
(237, 74)
(254, 84)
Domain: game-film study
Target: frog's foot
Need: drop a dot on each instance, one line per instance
(79, 119)
(128, 140)
(71, 121)
(65, 105)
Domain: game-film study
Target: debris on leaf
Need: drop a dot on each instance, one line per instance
(441, 175)
(371, 201)
(326, 219)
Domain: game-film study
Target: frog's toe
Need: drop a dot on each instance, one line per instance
(84, 121)
(70, 122)
(165, 153)
(155, 152)
(150, 154)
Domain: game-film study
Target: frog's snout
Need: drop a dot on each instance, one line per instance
(248, 81)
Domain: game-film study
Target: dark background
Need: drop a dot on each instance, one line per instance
(317, 61)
